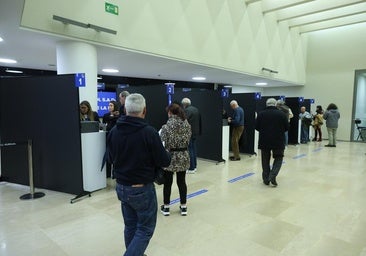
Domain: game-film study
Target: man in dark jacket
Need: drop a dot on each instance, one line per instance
(271, 124)
(194, 119)
(135, 149)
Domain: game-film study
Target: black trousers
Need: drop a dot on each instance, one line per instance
(269, 173)
(182, 186)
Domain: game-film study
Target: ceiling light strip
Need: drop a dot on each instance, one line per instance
(327, 19)
(329, 27)
(319, 11)
(247, 2)
(286, 6)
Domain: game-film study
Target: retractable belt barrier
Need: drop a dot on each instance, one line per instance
(32, 194)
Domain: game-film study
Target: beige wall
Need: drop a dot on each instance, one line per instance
(333, 57)
(225, 34)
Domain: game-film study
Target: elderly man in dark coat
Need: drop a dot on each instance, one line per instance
(271, 124)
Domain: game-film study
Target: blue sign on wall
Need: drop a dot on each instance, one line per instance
(225, 93)
(301, 99)
(80, 80)
(103, 100)
(169, 88)
(257, 95)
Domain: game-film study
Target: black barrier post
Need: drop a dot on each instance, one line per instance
(32, 194)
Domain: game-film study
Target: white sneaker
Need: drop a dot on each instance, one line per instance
(191, 171)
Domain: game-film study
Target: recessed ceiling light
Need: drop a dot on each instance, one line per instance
(260, 83)
(9, 61)
(110, 70)
(1, 39)
(199, 78)
(99, 77)
(228, 86)
(14, 71)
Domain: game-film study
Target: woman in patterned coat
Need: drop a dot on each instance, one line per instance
(175, 135)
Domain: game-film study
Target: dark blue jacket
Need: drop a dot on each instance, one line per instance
(135, 150)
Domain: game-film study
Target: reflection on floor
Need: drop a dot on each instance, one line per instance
(318, 209)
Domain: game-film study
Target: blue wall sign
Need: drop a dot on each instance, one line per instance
(103, 101)
(80, 80)
(225, 93)
(169, 88)
(257, 95)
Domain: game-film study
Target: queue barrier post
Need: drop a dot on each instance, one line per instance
(32, 194)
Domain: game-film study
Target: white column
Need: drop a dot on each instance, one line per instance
(78, 57)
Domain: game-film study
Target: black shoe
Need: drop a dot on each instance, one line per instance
(164, 210)
(274, 182)
(332, 146)
(232, 158)
(266, 182)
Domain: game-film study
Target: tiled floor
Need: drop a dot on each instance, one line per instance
(318, 209)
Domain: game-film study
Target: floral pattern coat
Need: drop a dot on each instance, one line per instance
(176, 133)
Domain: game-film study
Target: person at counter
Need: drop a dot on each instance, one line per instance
(122, 99)
(237, 123)
(110, 118)
(87, 113)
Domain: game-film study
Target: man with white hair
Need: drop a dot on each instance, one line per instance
(237, 123)
(136, 150)
(271, 124)
(194, 119)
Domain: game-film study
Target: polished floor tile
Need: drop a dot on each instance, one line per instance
(318, 209)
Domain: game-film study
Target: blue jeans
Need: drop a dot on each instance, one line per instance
(192, 149)
(139, 210)
(304, 133)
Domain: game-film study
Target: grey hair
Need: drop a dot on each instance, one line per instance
(135, 103)
(124, 94)
(186, 102)
(280, 103)
(233, 102)
(271, 102)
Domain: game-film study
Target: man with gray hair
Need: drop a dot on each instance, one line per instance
(271, 123)
(122, 99)
(194, 119)
(237, 123)
(136, 150)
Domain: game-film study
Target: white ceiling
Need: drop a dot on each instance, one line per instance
(38, 51)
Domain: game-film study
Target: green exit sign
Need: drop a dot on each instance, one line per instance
(111, 8)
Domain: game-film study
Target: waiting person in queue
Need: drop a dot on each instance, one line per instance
(306, 120)
(176, 134)
(285, 109)
(122, 99)
(271, 124)
(332, 116)
(317, 123)
(135, 149)
(110, 119)
(194, 119)
(87, 113)
(237, 123)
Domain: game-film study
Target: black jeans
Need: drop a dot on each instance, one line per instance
(269, 173)
(182, 186)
